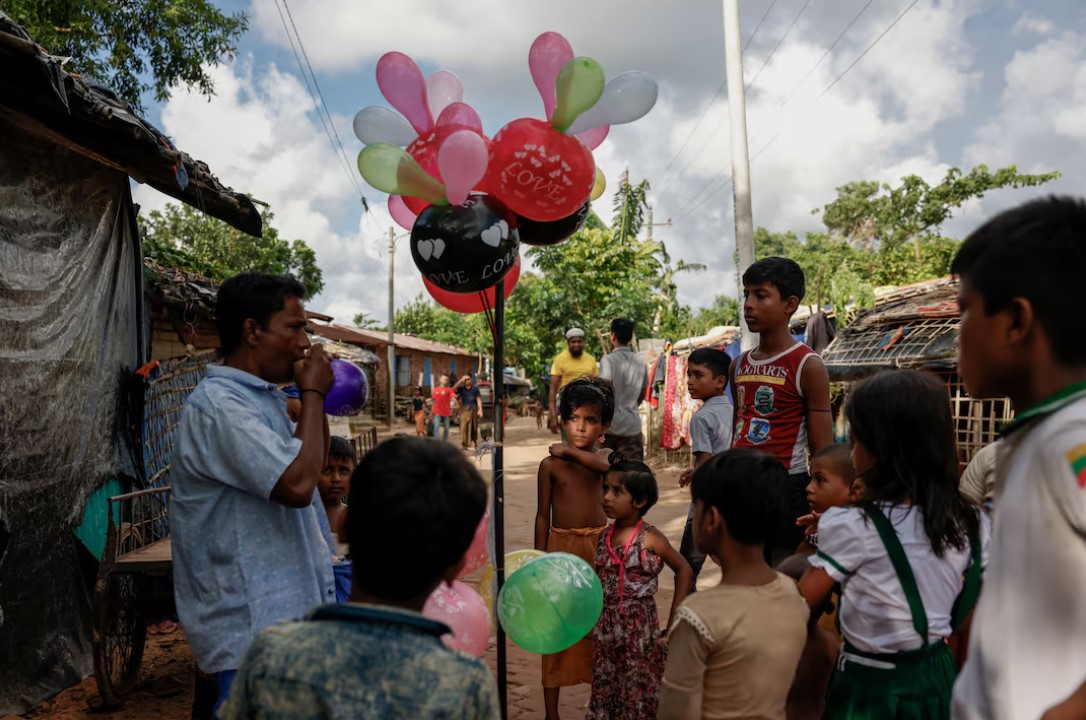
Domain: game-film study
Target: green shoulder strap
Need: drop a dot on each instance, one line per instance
(904, 571)
(967, 598)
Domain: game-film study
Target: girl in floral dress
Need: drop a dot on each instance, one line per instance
(628, 663)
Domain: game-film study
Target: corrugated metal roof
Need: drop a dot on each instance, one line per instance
(378, 338)
(915, 326)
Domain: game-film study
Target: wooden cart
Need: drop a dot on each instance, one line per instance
(137, 548)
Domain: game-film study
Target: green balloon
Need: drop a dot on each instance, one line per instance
(579, 86)
(390, 169)
(550, 603)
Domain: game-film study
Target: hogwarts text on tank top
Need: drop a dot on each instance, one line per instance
(769, 406)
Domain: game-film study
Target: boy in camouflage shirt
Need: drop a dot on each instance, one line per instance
(377, 656)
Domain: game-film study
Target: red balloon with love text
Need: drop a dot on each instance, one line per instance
(539, 172)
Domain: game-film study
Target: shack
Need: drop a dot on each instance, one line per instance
(73, 331)
(916, 327)
(417, 361)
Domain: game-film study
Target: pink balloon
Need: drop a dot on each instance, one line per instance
(460, 114)
(477, 554)
(400, 212)
(443, 89)
(404, 86)
(462, 161)
(592, 138)
(461, 608)
(549, 53)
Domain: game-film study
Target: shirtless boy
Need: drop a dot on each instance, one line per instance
(569, 516)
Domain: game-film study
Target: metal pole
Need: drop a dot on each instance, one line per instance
(737, 109)
(498, 514)
(391, 335)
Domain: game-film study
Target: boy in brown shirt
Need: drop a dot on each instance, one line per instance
(734, 648)
(569, 515)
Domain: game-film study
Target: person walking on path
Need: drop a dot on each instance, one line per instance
(568, 365)
(627, 372)
(471, 411)
(248, 550)
(442, 396)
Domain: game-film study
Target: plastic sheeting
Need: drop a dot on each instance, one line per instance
(70, 336)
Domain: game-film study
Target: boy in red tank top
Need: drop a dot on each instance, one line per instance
(782, 392)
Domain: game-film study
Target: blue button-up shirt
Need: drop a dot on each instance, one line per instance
(360, 661)
(241, 561)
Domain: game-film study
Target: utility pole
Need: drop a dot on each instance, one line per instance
(737, 109)
(658, 317)
(391, 335)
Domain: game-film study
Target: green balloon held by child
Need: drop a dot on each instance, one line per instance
(550, 603)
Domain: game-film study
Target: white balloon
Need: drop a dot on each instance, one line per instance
(377, 124)
(627, 97)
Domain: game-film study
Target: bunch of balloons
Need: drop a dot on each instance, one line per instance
(469, 200)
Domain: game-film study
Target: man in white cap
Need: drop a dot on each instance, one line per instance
(568, 365)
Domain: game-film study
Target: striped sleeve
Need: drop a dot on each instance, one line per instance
(842, 542)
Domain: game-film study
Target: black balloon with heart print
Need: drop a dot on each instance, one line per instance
(543, 234)
(468, 247)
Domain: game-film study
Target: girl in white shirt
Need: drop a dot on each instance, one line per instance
(908, 556)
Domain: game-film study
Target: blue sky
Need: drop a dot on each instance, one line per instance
(954, 83)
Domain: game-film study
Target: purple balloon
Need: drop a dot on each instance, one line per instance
(349, 389)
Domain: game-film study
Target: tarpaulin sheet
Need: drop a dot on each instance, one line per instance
(71, 334)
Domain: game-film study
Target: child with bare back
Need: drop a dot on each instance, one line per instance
(569, 516)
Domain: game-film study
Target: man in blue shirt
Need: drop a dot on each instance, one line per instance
(248, 550)
(471, 410)
(377, 657)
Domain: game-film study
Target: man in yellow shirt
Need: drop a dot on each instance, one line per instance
(568, 365)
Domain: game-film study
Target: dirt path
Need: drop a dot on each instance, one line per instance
(165, 689)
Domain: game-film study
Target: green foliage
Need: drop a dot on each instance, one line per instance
(881, 235)
(630, 203)
(881, 217)
(367, 322)
(181, 236)
(135, 46)
(684, 322)
(836, 272)
(590, 279)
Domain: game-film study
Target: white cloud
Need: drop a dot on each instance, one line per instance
(1030, 24)
(1039, 127)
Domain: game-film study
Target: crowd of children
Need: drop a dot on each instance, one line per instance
(878, 529)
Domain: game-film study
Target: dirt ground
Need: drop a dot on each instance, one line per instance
(165, 688)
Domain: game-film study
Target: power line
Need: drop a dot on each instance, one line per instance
(333, 137)
(827, 53)
(689, 207)
(774, 50)
(868, 48)
(753, 80)
(720, 90)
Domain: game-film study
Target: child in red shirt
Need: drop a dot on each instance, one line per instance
(782, 391)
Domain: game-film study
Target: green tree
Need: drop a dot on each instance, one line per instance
(135, 46)
(884, 218)
(629, 203)
(837, 273)
(367, 322)
(181, 236)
